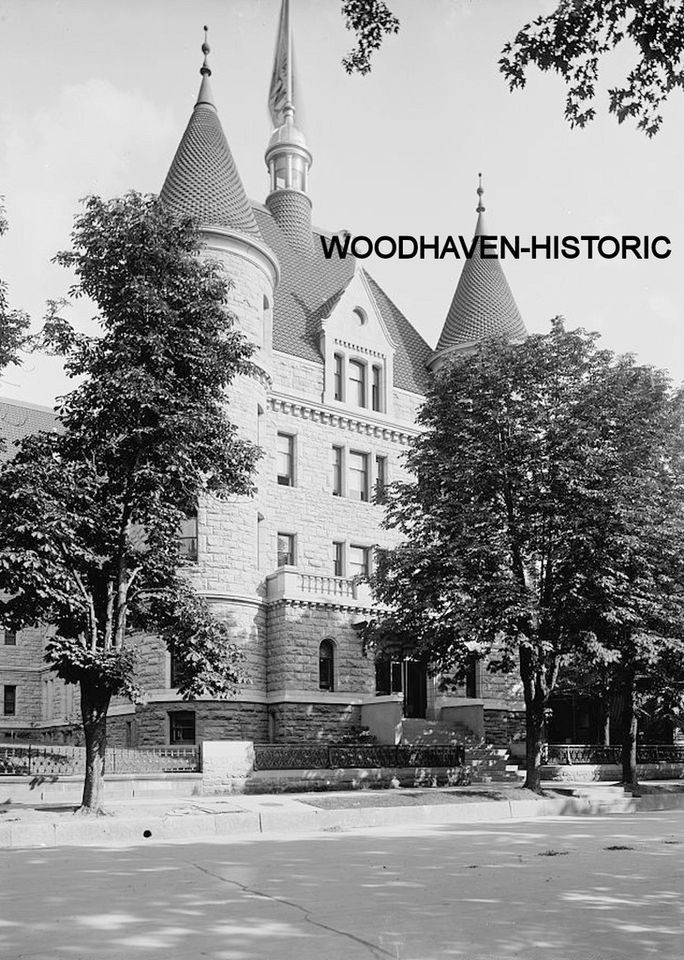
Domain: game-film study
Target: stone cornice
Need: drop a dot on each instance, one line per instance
(334, 417)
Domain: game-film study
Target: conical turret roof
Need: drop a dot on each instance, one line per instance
(483, 305)
(203, 180)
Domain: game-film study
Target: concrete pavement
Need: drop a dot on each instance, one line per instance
(571, 888)
(237, 815)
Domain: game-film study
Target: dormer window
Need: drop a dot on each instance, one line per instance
(357, 383)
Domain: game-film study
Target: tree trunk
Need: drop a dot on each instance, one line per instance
(534, 728)
(94, 706)
(629, 737)
(605, 719)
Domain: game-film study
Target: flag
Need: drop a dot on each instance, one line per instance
(282, 80)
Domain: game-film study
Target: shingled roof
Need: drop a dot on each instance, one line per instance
(18, 420)
(203, 180)
(483, 304)
(308, 290)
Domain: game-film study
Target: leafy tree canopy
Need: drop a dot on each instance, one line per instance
(13, 323)
(90, 513)
(529, 458)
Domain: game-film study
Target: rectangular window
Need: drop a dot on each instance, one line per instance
(9, 706)
(338, 381)
(358, 561)
(337, 471)
(10, 638)
(376, 394)
(358, 475)
(182, 726)
(338, 558)
(380, 478)
(187, 537)
(286, 550)
(357, 383)
(285, 460)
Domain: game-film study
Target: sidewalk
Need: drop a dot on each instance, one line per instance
(237, 815)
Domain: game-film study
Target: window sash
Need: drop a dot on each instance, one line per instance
(337, 471)
(358, 560)
(285, 460)
(187, 537)
(376, 394)
(10, 638)
(357, 383)
(337, 377)
(326, 666)
(9, 701)
(286, 549)
(182, 726)
(338, 558)
(358, 475)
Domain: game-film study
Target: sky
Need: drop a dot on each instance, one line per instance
(95, 95)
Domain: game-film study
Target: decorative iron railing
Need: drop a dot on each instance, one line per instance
(321, 756)
(572, 753)
(36, 760)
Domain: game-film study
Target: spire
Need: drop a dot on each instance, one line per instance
(483, 305)
(287, 156)
(203, 180)
(205, 94)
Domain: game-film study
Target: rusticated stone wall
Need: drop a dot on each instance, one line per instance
(311, 722)
(214, 720)
(502, 726)
(295, 632)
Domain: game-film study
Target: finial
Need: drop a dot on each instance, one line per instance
(205, 70)
(480, 190)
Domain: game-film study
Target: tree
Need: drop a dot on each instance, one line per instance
(13, 323)
(370, 20)
(513, 481)
(89, 513)
(573, 38)
(571, 41)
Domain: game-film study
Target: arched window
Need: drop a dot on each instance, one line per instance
(326, 665)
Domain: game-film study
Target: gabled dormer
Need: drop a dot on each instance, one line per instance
(358, 352)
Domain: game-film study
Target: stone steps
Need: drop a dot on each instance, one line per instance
(484, 762)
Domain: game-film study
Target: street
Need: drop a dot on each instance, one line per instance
(584, 888)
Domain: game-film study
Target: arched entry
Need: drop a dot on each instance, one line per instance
(408, 677)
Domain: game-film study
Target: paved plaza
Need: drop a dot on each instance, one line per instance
(571, 888)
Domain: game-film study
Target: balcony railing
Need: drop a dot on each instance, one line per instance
(287, 583)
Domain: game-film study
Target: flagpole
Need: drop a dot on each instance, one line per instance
(289, 55)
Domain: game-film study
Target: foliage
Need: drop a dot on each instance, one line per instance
(530, 456)
(89, 513)
(371, 21)
(13, 323)
(572, 40)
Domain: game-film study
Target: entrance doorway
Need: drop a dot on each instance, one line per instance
(407, 677)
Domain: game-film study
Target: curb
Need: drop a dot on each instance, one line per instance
(260, 823)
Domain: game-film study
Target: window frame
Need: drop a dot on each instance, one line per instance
(9, 638)
(326, 665)
(367, 559)
(9, 699)
(364, 491)
(175, 727)
(292, 551)
(338, 558)
(360, 388)
(285, 479)
(338, 459)
(188, 544)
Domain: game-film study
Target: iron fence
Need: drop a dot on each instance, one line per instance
(40, 760)
(572, 753)
(270, 756)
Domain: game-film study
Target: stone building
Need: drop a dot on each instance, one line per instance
(342, 373)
